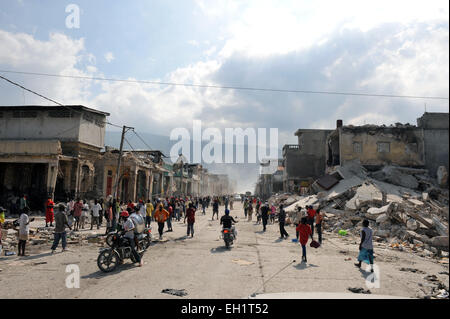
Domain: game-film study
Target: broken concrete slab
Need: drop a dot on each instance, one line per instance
(366, 193)
(382, 218)
(440, 241)
(374, 211)
(342, 187)
(416, 202)
(304, 201)
(439, 226)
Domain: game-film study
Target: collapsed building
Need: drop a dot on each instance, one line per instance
(394, 176)
(48, 151)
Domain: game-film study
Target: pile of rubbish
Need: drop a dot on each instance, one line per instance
(44, 235)
(406, 207)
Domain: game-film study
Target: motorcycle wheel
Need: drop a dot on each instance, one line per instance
(108, 260)
(227, 244)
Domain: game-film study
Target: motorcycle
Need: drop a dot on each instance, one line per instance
(228, 237)
(120, 249)
(147, 236)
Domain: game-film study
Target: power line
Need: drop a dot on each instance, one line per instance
(142, 140)
(51, 100)
(230, 87)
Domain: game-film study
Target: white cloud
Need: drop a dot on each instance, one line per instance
(109, 57)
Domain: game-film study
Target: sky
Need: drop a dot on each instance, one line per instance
(376, 47)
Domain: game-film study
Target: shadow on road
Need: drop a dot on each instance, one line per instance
(100, 274)
(304, 265)
(221, 249)
(35, 256)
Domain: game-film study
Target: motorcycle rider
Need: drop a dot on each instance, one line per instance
(129, 227)
(227, 222)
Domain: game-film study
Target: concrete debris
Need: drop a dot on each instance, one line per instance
(407, 209)
(442, 176)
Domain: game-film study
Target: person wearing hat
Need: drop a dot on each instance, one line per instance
(61, 222)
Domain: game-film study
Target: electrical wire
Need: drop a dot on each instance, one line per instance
(229, 87)
(51, 100)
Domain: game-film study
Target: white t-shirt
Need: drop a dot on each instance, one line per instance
(96, 210)
(24, 227)
(127, 226)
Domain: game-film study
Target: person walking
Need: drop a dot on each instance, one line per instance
(215, 209)
(77, 212)
(95, 215)
(304, 231)
(281, 222)
(204, 204)
(273, 212)
(161, 216)
(319, 220)
(49, 215)
(366, 246)
(265, 215)
(190, 215)
(24, 230)
(310, 219)
(245, 208)
(169, 219)
(61, 222)
(148, 213)
(84, 214)
(250, 211)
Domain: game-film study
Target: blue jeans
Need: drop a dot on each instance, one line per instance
(169, 222)
(56, 239)
(190, 229)
(304, 250)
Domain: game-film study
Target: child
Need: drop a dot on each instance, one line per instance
(366, 246)
(24, 230)
(304, 231)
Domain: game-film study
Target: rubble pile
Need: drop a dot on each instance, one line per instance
(408, 209)
(43, 235)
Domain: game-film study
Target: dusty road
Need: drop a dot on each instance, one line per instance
(205, 269)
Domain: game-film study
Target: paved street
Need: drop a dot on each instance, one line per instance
(205, 269)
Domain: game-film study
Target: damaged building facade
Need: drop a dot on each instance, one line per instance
(304, 162)
(375, 146)
(49, 151)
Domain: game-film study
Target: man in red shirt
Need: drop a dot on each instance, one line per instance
(190, 215)
(49, 215)
(304, 231)
(310, 220)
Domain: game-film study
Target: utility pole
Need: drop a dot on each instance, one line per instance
(124, 130)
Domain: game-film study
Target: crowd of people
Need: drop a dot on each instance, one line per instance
(76, 213)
